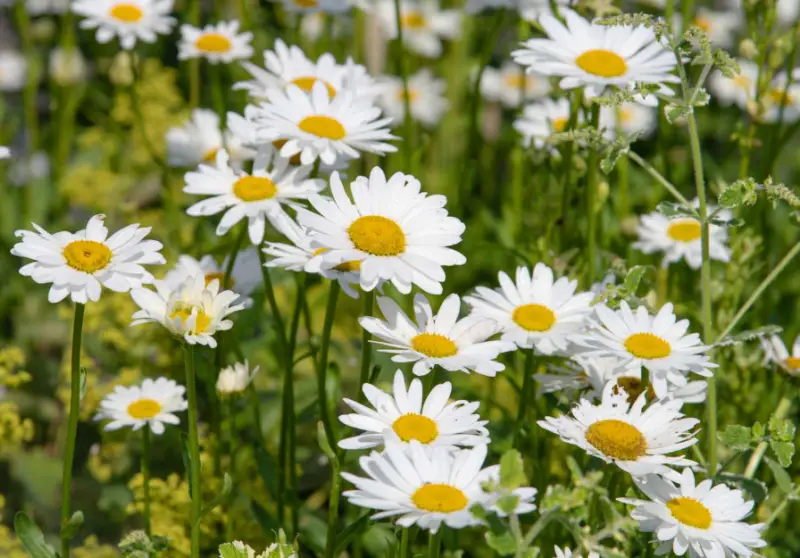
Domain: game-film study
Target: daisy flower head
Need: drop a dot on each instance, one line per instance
(313, 6)
(535, 310)
(567, 553)
(13, 70)
(199, 140)
(194, 311)
(425, 98)
(658, 343)
(152, 404)
(129, 20)
(216, 43)
(405, 415)
(542, 119)
(629, 119)
(443, 339)
(775, 351)
(782, 99)
(424, 25)
(703, 519)
(720, 26)
(510, 85)
(394, 230)
(586, 54)
(233, 380)
(585, 375)
(257, 196)
(630, 383)
(737, 90)
(245, 275)
(637, 440)
(80, 264)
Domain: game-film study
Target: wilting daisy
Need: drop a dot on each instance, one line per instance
(775, 351)
(587, 54)
(245, 275)
(318, 127)
(13, 70)
(194, 311)
(152, 404)
(567, 553)
(311, 6)
(702, 518)
(80, 264)
(405, 415)
(635, 439)
(130, 20)
(737, 90)
(394, 230)
(679, 238)
(233, 380)
(258, 196)
(425, 97)
(511, 85)
(217, 43)
(535, 311)
(658, 343)
(629, 118)
(630, 382)
(199, 140)
(444, 339)
(541, 120)
(424, 25)
(585, 375)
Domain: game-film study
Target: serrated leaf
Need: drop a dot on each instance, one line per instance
(611, 159)
(673, 209)
(229, 550)
(71, 527)
(782, 478)
(748, 335)
(31, 536)
(736, 437)
(673, 112)
(757, 489)
(512, 470)
(633, 278)
(781, 429)
(758, 430)
(784, 451)
(504, 544)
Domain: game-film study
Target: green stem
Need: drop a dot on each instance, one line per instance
(658, 177)
(194, 451)
(217, 91)
(29, 97)
(234, 253)
(333, 500)
(322, 363)
(623, 202)
(404, 543)
(591, 202)
(72, 422)
(566, 168)
(780, 413)
(524, 394)
(435, 542)
(366, 346)
(146, 476)
(402, 63)
(781, 507)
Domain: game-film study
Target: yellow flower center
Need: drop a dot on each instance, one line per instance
(294, 159)
(617, 439)
(144, 409)
(183, 313)
(560, 124)
(684, 230)
(87, 255)
(434, 345)
(211, 155)
(219, 276)
(376, 235)
(307, 84)
(414, 20)
(534, 317)
(254, 188)
(517, 80)
(306, 3)
(633, 387)
(601, 62)
(415, 427)
(323, 126)
(439, 498)
(213, 42)
(779, 98)
(412, 95)
(129, 13)
(690, 512)
(742, 81)
(647, 345)
(793, 363)
(625, 116)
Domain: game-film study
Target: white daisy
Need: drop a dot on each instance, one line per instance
(194, 311)
(658, 343)
(505, 85)
(567, 553)
(245, 275)
(679, 238)
(535, 311)
(312, 6)
(703, 519)
(737, 90)
(636, 439)
(425, 98)
(258, 196)
(152, 404)
(585, 375)
(68, 67)
(780, 102)
(13, 70)
(720, 26)
(629, 118)
(397, 232)
(79, 264)
(233, 380)
(587, 54)
(424, 25)
(199, 140)
(405, 415)
(541, 120)
(130, 20)
(316, 126)
(775, 351)
(630, 382)
(444, 339)
(216, 43)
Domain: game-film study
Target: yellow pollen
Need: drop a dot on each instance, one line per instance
(684, 230)
(213, 42)
(633, 387)
(434, 345)
(144, 409)
(415, 427)
(617, 439)
(647, 346)
(202, 320)
(294, 159)
(414, 20)
(219, 276)
(439, 498)
(603, 63)
(690, 512)
(211, 155)
(306, 3)
(378, 236)
(307, 84)
(793, 363)
(323, 126)
(254, 188)
(129, 13)
(87, 255)
(534, 317)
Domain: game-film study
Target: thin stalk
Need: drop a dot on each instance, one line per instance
(194, 451)
(524, 395)
(650, 169)
(779, 510)
(404, 543)
(231, 259)
(217, 91)
(402, 64)
(333, 500)
(366, 347)
(566, 168)
(435, 543)
(29, 96)
(623, 202)
(72, 422)
(591, 201)
(322, 363)
(780, 413)
(146, 476)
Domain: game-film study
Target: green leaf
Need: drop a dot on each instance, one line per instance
(503, 544)
(512, 470)
(508, 503)
(757, 489)
(673, 112)
(784, 451)
(71, 527)
(758, 431)
(736, 437)
(227, 488)
(782, 478)
(674, 209)
(358, 527)
(781, 429)
(31, 536)
(267, 469)
(633, 278)
(228, 550)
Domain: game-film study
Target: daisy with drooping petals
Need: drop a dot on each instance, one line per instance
(658, 343)
(737, 90)
(394, 230)
(586, 54)
(511, 85)
(233, 380)
(775, 351)
(444, 339)
(13, 70)
(541, 120)
(216, 43)
(567, 553)
(535, 311)
(130, 20)
(313, 6)
(152, 404)
(424, 25)
(79, 265)
(425, 98)
(636, 439)
(245, 275)
(703, 519)
(194, 311)
(405, 415)
(199, 140)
